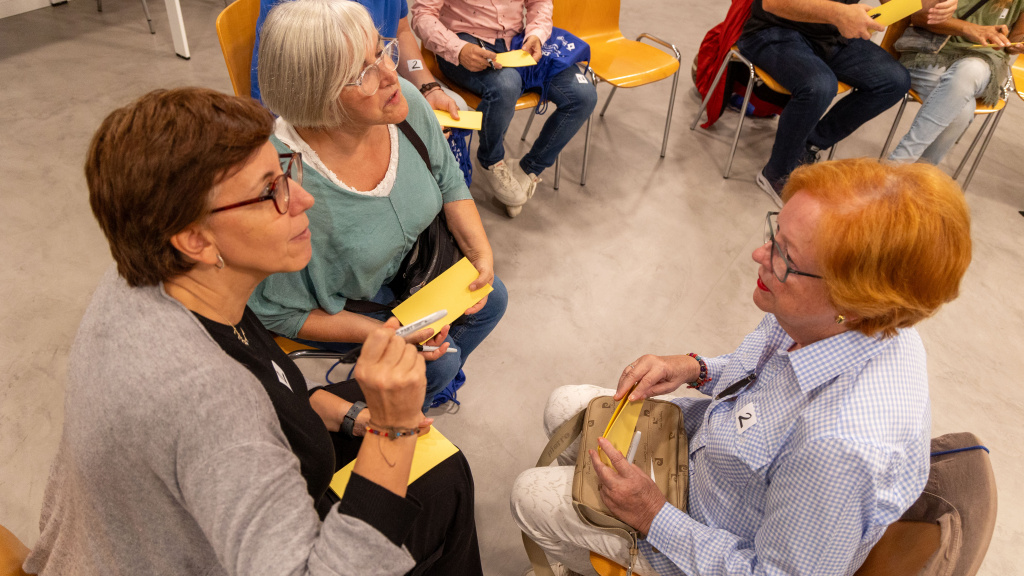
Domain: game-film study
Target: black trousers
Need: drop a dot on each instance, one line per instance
(443, 542)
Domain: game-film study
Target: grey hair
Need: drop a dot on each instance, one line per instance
(309, 51)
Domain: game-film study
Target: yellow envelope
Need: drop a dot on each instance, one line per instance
(468, 119)
(449, 291)
(622, 425)
(515, 59)
(894, 10)
(432, 448)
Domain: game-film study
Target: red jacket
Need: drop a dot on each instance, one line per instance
(714, 47)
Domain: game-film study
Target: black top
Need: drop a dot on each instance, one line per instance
(310, 441)
(286, 387)
(820, 34)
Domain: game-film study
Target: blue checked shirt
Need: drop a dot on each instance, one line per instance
(801, 471)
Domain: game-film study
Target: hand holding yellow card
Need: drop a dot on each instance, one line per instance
(894, 11)
(449, 291)
(468, 119)
(515, 59)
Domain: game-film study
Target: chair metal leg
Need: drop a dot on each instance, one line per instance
(558, 170)
(974, 143)
(149, 19)
(586, 141)
(671, 105)
(981, 152)
(99, 5)
(609, 100)
(895, 124)
(529, 123)
(832, 151)
(711, 90)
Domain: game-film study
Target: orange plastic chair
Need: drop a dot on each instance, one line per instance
(236, 30)
(992, 113)
(12, 554)
(614, 59)
(528, 100)
(756, 75)
(606, 567)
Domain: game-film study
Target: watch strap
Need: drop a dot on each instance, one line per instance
(349, 421)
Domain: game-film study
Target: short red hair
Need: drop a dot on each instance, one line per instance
(894, 239)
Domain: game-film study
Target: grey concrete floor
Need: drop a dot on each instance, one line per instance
(652, 255)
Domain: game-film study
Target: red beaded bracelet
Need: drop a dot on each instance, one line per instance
(703, 378)
(390, 432)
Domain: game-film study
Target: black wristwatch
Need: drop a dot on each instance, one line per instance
(428, 87)
(350, 418)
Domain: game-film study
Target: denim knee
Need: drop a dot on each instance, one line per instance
(502, 87)
(817, 91)
(441, 371)
(970, 75)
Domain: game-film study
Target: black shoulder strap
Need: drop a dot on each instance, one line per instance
(974, 9)
(416, 141)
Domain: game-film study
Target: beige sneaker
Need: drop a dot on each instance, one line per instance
(506, 188)
(527, 181)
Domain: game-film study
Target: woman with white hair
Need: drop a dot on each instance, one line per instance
(380, 169)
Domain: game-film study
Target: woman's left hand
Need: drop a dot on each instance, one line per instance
(941, 11)
(439, 100)
(629, 493)
(485, 266)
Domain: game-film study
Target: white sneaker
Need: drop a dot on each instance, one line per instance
(506, 188)
(527, 181)
(767, 188)
(558, 568)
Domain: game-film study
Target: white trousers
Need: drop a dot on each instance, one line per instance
(542, 497)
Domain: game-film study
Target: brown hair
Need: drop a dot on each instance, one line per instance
(894, 239)
(153, 164)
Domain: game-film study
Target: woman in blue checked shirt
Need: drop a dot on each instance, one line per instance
(800, 469)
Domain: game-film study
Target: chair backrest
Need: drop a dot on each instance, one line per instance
(892, 34)
(959, 501)
(236, 29)
(587, 20)
(12, 554)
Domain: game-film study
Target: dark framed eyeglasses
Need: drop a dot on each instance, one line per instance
(369, 80)
(277, 190)
(781, 266)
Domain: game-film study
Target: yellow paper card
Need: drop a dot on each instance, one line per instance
(432, 448)
(515, 59)
(449, 291)
(468, 119)
(894, 10)
(622, 425)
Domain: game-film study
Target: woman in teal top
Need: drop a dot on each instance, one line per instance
(971, 65)
(331, 78)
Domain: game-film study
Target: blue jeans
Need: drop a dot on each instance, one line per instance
(949, 96)
(811, 73)
(499, 90)
(465, 337)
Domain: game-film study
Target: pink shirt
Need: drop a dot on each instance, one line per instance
(437, 22)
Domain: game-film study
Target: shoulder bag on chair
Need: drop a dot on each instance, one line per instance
(925, 41)
(662, 449)
(434, 252)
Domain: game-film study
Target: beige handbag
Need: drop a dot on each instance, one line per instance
(662, 450)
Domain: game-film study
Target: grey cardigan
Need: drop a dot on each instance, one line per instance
(172, 461)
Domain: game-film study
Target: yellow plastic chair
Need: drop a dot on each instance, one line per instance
(992, 113)
(528, 100)
(606, 567)
(12, 554)
(756, 75)
(236, 30)
(614, 59)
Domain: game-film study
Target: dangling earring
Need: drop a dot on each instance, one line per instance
(840, 319)
(220, 262)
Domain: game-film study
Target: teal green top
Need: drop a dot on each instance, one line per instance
(991, 14)
(359, 241)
